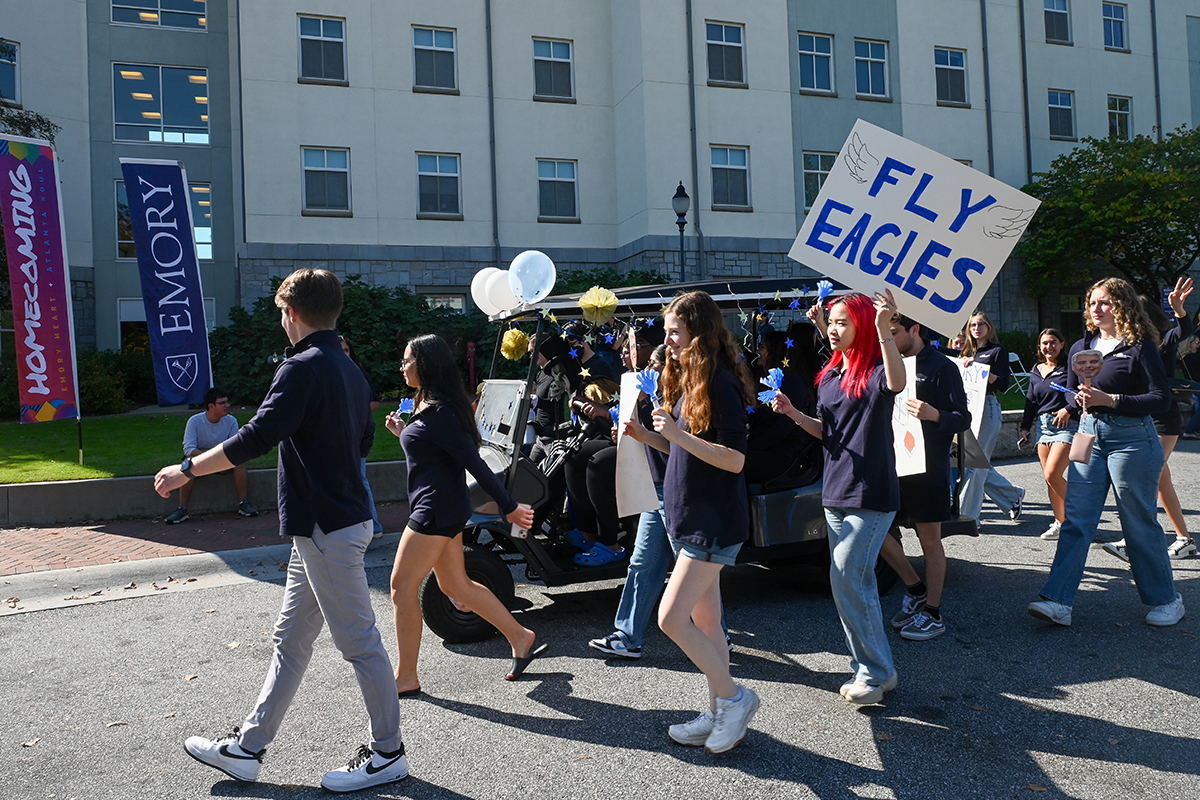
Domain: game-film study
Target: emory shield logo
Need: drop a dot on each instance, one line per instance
(182, 369)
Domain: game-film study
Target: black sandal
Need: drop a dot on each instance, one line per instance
(521, 662)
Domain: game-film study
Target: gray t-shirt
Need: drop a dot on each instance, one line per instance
(200, 434)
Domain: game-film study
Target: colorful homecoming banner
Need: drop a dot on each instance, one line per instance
(161, 213)
(895, 215)
(39, 278)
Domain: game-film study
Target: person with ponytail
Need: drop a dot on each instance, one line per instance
(856, 391)
(441, 442)
(706, 389)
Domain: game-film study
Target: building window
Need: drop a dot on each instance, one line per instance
(322, 49)
(816, 62)
(730, 177)
(326, 180)
(1062, 114)
(870, 68)
(556, 189)
(160, 104)
(164, 13)
(725, 53)
(816, 169)
(200, 195)
(437, 179)
(453, 302)
(10, 73)
(951, 69)
(1118, 117)
(552, 69)
(433, 56)
(1114, 26)
(1058, 27)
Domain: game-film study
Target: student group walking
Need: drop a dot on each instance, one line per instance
(1101, 413)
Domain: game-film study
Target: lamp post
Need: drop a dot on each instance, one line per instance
(681, 203)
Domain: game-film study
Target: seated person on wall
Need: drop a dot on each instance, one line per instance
(205, 431)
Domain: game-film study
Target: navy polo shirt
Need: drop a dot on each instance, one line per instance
(439, 451)
(1135, 372)
(995, 355)
(1042, 398)
(706, 505)
(860, 464)
(656, 457)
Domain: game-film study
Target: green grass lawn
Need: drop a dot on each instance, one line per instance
(122, 445)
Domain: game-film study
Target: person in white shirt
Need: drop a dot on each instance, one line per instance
(205, 431)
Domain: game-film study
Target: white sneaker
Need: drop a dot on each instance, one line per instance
(368, 768)
(1181, 548)
(862, 693)
(1051, 611)
(226, 755)
(693, 733)
(731, 721)
(1165, 616)
(1117, 549)
(1053, 531)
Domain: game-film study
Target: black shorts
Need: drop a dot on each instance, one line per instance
(429, 530)
(1169, 422)
(925, 498)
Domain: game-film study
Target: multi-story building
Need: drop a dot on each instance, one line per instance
(414, 143)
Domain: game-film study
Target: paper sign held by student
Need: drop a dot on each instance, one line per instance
(895, 215)
(907, 436)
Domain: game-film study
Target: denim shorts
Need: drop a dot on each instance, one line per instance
(714, 554)
(1049, 433)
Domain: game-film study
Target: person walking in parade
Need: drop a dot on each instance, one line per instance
(855, 398)
(1129, 386)
(1047, 406)
(441, 443)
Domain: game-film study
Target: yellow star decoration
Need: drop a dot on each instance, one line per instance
(585, 372)
(552, 318)
(786, 363)
(562, 335)
(778, 296)
(796, 291)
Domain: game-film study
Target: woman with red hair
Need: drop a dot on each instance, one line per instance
(856, 391)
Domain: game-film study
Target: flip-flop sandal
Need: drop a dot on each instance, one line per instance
(410, 693)
(598, 556)
(521, 662)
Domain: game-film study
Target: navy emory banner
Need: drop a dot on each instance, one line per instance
(160, 210)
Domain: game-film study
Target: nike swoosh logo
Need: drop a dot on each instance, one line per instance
(372, 769)
(225, 752)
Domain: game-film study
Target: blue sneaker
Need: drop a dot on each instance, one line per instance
(576, 539)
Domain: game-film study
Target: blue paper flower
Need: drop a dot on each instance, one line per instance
(824, 289)
(406, 406)
(774, 379)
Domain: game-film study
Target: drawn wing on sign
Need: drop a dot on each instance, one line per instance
(859, 161)
(1000, 222)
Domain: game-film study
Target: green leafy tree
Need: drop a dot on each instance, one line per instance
(1129, 204)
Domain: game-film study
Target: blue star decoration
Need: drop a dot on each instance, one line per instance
(574, 353)
(650, 323)
(608, 338)
(788, 343)
(749, 409)
(794, 304)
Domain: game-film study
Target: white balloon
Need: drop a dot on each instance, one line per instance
(479, 292)
(498, 292)
(531, 276)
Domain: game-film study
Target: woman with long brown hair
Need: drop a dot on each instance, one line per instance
(706, 389)
(1130, 385)
(1047, 406)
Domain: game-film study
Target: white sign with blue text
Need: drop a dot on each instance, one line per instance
(895, 215)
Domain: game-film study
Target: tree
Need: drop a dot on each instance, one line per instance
(1130, 204)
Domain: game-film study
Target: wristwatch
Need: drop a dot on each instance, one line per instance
(185, 467)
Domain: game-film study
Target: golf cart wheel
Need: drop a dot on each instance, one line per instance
(446, 620)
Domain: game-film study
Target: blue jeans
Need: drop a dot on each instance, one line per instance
(1194, 421)
(376, 528)
(855, 538)
(1127, 456)
(978, 481)
(649, 563)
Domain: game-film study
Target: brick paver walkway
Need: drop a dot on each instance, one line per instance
(25, 550)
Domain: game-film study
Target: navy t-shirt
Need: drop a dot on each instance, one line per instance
(860, 464)
(706, 505)
(656, 457)
(1042, 398)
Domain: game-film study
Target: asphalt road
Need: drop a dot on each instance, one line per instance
(101, 697)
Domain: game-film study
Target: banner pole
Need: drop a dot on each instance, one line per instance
(79, 427)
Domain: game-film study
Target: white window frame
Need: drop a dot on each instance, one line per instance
(822, 173)
(15, 102)
(348, 211)
(1115, 114)
(815, 56)
(950, 68)
(574, 181)
(194, 188)
(300, 37)
(435, 48)
(444, 297)
(871, 59)
(157, 11)
(198, 78)
(1074, 136)
(451, 215)
(745, 168)
(740, 45)
(1120, 23)
(1062, 7)
(569, 61)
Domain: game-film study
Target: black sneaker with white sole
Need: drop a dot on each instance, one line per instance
(226, 755)
(368, 768)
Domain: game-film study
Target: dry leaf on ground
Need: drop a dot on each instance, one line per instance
(31, 742)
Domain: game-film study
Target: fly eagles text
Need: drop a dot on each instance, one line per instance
(167, 252)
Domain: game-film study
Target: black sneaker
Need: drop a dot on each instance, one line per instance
(368, 768)
(247, 509)
(177, 516)
(614, 645)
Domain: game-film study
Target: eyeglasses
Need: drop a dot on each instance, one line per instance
(404, 362)
(222, 403)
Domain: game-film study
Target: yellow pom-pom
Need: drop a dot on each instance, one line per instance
(514, 345)
(598, 305)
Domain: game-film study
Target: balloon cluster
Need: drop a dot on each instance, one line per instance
(528, 279)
